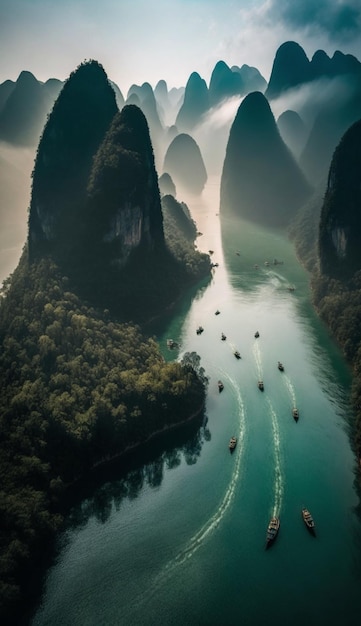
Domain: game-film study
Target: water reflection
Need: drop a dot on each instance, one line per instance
(125, 478)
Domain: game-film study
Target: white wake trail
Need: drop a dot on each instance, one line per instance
(213, 522)
(278, 478)
(291, 390)
(258, 359)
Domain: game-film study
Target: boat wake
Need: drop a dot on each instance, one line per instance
(278, 479)
(291, 389)
(257, 358)
(207, 529)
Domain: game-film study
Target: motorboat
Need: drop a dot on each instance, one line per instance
(237, 354)
(272, 531)
(261, 385)
(210, 252)
(220, 386)
(256, 334)
(171, 344)
(217, 312)
(295, 414)
(280, 366)
(199, 330)
(223, 337)
(232, 443)
(309, 521)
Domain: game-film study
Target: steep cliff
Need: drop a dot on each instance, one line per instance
(340, 225)
(76, 126)
(124, 203)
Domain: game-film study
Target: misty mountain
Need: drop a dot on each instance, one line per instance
(53, 87)
(195, 103)
(166, 185)
(293, 131)
(251, 77)
(118, 95)
(340, 225)
(23, 114)
(76, 126)
(184, 162)
(148, 104)
(6, 89)
(224, 83)
(260, 181)
(337, 113)
(291, 68)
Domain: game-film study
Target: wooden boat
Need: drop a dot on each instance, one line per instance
(280, 366)
(237, 354)
(223, 337)
(272, 531)
(199, 330)
(260, 385)
(256, 334)
(220, 386)
(232, 443)
(295, 414)
(210, 251)
(309, 521)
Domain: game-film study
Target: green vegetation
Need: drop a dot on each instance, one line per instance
(77, 387)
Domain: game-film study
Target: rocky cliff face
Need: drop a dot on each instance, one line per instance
(340, 225)
(260, 180)
(76, 126)
(124, 199)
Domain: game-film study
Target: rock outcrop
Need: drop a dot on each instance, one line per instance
(340, 225)
(76, 126)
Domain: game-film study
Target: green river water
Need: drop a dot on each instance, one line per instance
(180, 538)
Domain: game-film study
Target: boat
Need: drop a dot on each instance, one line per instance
(237, 354)
(223, 337)
(261, 385)
(295, 414)
(220, 386)
(309, 521)
(232, 443)
(210, 252)
(256, 266)
(266, 263)
(217, 312)
(256, 334)
(171, 344)
(280, 366)
(199, 330)
(237, 253)
(290, 288)
(272, 531)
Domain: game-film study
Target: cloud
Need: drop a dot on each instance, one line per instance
(339, 20)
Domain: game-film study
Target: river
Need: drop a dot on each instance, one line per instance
(180, 539)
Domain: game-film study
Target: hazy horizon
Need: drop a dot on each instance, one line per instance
(139, 41)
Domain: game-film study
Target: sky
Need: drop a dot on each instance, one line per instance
(140, 41)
